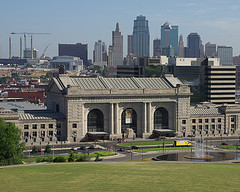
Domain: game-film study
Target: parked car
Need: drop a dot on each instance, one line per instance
(135, 147)
(224, 144)
(83, 147)
(74, 148)
(40, 150)
(91, 147)
(121, 149)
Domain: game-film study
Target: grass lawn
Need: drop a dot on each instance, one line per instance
(228, 146)
(139, 177)
(145, 143)
(165, 148)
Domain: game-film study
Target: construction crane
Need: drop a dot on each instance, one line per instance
(42, 56)
(25, 36)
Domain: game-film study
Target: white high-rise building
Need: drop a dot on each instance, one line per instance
(117, 47)
(98, 54)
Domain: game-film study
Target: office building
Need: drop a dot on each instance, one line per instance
(98, 53)
(226, 55)
(169, 37)
(117, 47)
(181, 47)
(210, 50)
(75, 50)
(130, 45)
(27, 53)
(141, 37)
(156, 47)
(70, 63)
(194, 45)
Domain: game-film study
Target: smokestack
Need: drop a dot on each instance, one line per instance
(10, 48)
(20, 47)
(31, 48)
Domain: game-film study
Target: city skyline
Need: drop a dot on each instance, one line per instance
(71, 22)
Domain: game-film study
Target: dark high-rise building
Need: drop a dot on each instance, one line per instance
(181, 47)
(76, 50)
(141, 37)
(194, 45)
(169, 37)
(156, 47)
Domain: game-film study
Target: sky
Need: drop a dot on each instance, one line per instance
(87, 21)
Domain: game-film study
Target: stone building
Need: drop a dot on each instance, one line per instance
(109, 106)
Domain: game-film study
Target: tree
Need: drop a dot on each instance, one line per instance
(34, 150)
(11, 147)
(47, 149)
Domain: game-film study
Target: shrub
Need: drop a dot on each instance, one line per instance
(34, 150)
(82, 158)
(59, 159)
(71, 157)
(97, 158)
(47, 149)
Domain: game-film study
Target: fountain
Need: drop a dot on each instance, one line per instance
(199, 153)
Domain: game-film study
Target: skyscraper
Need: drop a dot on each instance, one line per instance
(117, 47)
(169, 36)
(141, 37)
(181, 47)
(75, 50)
(194, 45)
(210, 50)
(130, 45)
(226, 55)
(98, 54)
(156, 47)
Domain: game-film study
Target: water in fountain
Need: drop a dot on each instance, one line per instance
(199, 147)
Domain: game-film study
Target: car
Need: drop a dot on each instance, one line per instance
(224, 144)
(91, 147)
(83, 147)
(74, 148)
(40, 150)
(135, 147)
(121, 149)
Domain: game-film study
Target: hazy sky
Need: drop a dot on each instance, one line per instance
(86, 21)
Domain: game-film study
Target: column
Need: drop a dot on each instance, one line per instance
(144, 118)
(116, 118)
(111, 119)
(149, 120)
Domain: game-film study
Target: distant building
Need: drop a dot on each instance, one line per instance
(27, 53)
(181, 52)
(70, 63)
(168, 51)
(236, 60)
(220, 84)
(169, 37)
(226, 55)
(117, 47)
(98, 54)
(130, 45)
(156, 47)
(141, 37)
(194, 45)
(210, 50)
(76, 50)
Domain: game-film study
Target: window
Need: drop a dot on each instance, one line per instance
(50, 133)
(50, 125)
(206, 120)
(232, 126)
(57, 108)
(43, 133)
(199, 120)
(232, 119)
(34, 133)
(193, 120)
(219, 120)
(58, 125)
(213, 120)
(219, 126)
(184, 121)
(194, 127)
(25, 126)
(25, 134)
(58, 132)
(42, 126)
(200, 127)
(213, 127)
(206, 127)
(74, 125)
(34, 126)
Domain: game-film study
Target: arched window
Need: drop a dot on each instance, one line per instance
(161, 118)
(95, 121)
(129, 120)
